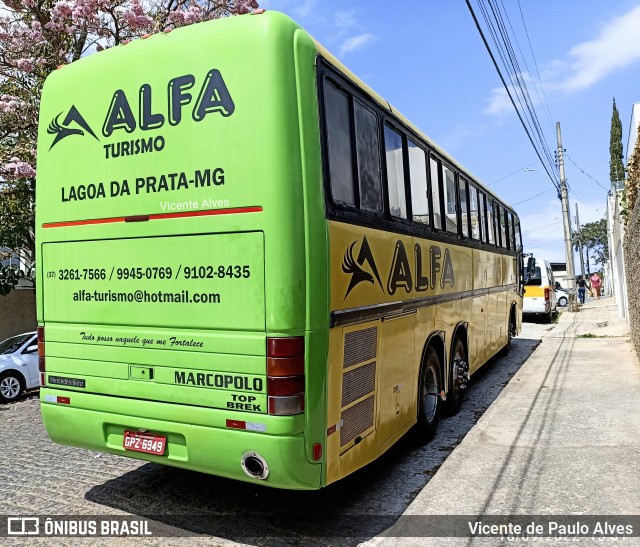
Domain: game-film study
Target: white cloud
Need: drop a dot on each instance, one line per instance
(303, 9)
(616, 47)
(345, 19)
(499, 102)
(355, 42)
(461, 134)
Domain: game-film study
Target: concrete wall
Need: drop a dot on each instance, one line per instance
(616, 281)
(632, 268)
(17, 312)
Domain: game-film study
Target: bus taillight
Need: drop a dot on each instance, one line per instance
(547, 294)
(285, 375)
(41, 362)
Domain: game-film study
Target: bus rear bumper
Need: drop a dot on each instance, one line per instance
(214, 450)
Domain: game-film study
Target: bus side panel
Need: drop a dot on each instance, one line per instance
(480, 321)
(371, 268)
(315, 244)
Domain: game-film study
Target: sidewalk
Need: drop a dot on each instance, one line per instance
(563, 437)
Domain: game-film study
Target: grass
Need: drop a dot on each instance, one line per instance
(591, 335)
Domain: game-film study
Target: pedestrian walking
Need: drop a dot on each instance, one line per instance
(582, 289)
(596, 284)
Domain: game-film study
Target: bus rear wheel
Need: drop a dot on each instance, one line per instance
(511, 332)
(459, 376)
(429, 399)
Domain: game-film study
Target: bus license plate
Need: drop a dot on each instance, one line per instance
(144, 442)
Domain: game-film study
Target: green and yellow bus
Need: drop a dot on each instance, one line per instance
(250, 264)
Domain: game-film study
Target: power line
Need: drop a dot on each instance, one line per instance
(522, 83)
(585, 173)
(510, 59)
(524, 24)
(541, 227)
(511, 174)
(532, 197)
(502, 42)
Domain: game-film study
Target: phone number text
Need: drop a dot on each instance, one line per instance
(152, 272)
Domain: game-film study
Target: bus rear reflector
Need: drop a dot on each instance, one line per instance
(286, 406)
(41, 361)
(285, 375)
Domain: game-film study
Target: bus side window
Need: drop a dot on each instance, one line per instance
(338, 130)
(395, 173)
(419, 189)
(450, 200)
(368, 158)
(501, 240)
(490, 222)
(476, 219)
(464, 206)
(512, 232)
(483, 217)
(436, 182)
(503, 227)
(517, 233)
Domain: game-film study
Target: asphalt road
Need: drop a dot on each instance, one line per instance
(38, 477)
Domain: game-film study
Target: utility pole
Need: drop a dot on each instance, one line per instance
(579, 242)
(564, 197)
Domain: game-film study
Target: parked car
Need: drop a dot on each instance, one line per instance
(18, 366)
(562, 296)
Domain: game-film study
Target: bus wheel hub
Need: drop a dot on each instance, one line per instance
(460, 372)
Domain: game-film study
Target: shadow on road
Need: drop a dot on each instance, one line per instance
(350, 511)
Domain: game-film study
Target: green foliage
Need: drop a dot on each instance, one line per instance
(9, 277)
(594, 236)
(632, 184)
(616, 167)
(35, 38)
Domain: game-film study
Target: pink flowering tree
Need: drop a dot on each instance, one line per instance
(36, 36)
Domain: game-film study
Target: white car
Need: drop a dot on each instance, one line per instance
(18, 366)
(562, 296)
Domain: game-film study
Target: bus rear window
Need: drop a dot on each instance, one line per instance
(536, 279)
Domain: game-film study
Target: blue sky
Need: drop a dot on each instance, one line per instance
(427, 59)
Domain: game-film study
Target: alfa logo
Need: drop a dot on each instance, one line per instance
(354, 266)
(73, 124)
(420, 272)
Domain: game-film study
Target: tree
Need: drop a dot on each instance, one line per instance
(616, 167)
(36, 36)
(593, 235)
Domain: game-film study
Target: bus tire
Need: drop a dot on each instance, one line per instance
(429, 399)
(456, 389)
(511, 332)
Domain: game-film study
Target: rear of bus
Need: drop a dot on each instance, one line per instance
(539, 294)
(182, 253)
